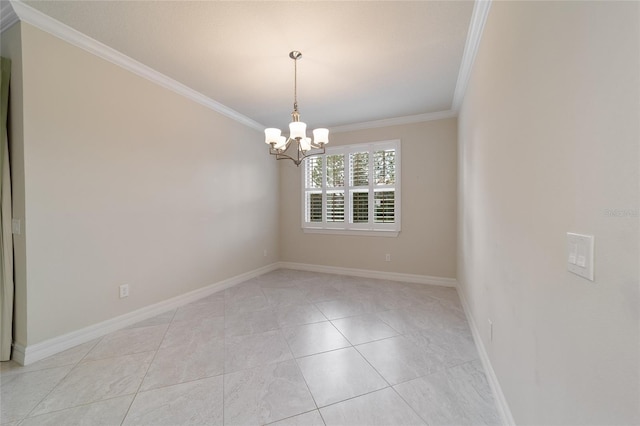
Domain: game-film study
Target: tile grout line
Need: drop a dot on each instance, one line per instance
(371, 365)
(380, 374)
(297, 366)
(337, 349)
(384, 378)
(70, 408)
(290, 417)
(410, 406)
(60, 381)
(148, 367)
(297, 284)
(355, 397)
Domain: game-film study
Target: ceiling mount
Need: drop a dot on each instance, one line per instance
(295, 55)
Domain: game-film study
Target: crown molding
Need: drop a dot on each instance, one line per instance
(13, 11)
(7, 16)
(476, 26)
(397, 121)
(45, 23)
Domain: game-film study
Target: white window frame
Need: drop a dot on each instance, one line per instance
(347, 227)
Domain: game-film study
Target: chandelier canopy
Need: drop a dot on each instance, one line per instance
(283, 147)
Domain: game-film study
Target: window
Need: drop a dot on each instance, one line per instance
(353, 189)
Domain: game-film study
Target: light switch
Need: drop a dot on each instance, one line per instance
(580, 254)
(573, 253)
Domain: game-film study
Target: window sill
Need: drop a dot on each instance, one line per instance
(358, 232)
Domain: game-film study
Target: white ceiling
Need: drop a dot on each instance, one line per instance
(362, 61)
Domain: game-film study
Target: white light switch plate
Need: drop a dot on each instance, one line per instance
(580, 254)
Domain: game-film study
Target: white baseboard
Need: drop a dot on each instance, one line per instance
(501, 402)
(365, 273)
(32, 353)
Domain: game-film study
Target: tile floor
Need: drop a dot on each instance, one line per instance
(285, 348)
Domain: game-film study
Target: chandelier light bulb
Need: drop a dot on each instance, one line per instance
(321, 136)
(297, 130)
(282, 142)
(271, 135)
(305, 144)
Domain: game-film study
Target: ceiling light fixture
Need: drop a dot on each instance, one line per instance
(282, 146)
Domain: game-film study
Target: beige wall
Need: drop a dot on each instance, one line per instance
(11, 47)
(427, 243)
(129, 183)
(548, 137)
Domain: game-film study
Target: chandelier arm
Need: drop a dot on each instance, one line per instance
(282, 156)
(311, 155)
(300, 155)
(273, 150)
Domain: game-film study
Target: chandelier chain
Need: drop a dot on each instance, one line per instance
(295, 84)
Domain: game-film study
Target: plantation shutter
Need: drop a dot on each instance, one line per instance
(313, 189)
(353, 188)
(384, 172)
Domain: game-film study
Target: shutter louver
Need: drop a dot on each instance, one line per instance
(360, 206)
(335, 171)
(359, 169)
(313, 172)
(335, 206)
(384, 207)
(313, 207)
(384, 167)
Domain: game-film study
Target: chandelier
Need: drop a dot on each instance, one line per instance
(283, 147)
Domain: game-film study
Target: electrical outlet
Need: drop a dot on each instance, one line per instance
(387, 257)
(264, 253)
(490, 330)
(124, 291)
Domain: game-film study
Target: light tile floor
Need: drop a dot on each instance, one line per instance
(285, 348)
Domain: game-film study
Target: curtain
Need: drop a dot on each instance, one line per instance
(6, 238)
